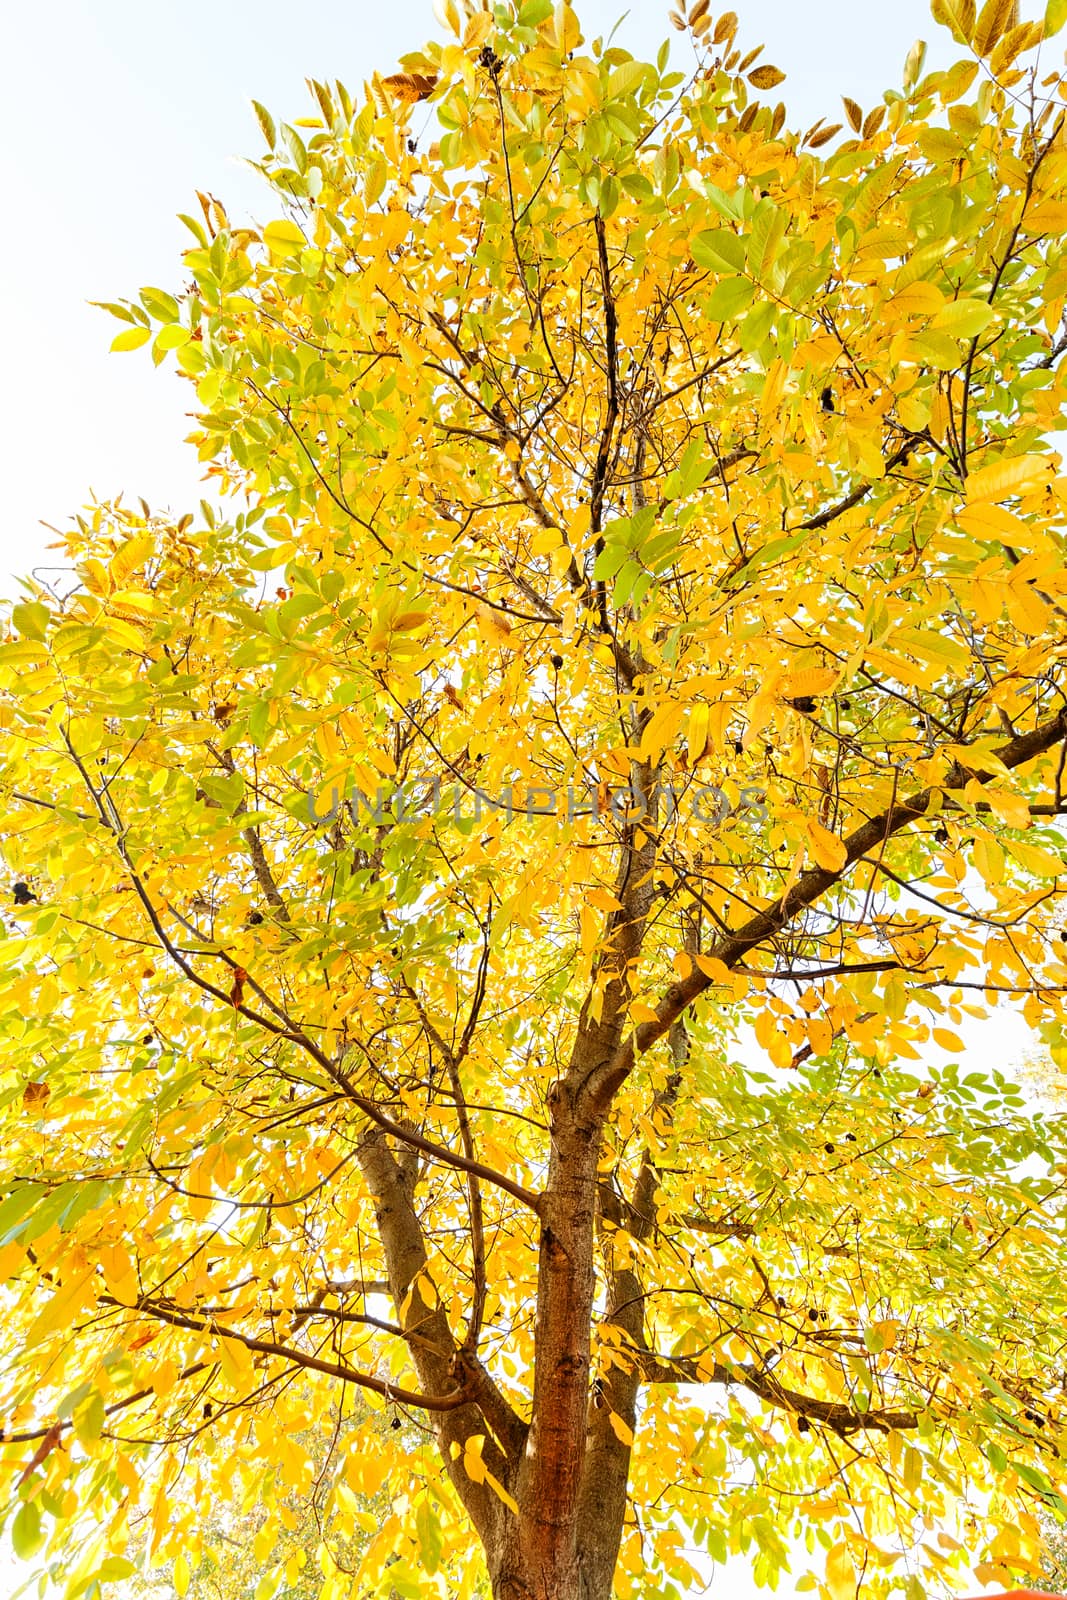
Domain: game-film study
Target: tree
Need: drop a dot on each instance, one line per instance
(495, 911)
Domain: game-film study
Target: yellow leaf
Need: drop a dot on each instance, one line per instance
(989, 859)
(698, 733)
(283, 238)
(887, 1331)
(1012, 809)
(918, 299)
(1027, 609)
(713, 968)
(59, 1312)
(840, 1573)
(602, 900)
(180, 1575)
(235, 1359)
(410, 87)
(622, 1431)
(994, 19)
(766, 77)
(945, 1039)
(131, 555)
(133, 600)
(640, 1011)
(495, 628)
(500, 1492)
(985, 517)
(473, 1464)
(1007, 477)
(829, 851)
(809, 681)
(447, 14)
(661, 729)
(1036, 859)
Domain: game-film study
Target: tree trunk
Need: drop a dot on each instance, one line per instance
(551, 1471)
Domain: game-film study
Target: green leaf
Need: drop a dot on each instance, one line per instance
(765, 234)
(772, 551)
(941, 352)
(228, 792)
(31, 619)
(298, 606)
(89, 1419)
(609, 195)
(266, 124)
(727, 205)
(729, 298)
(624, 583)
(123, 313)
(297, 148)
(161, 305)
(70, 1402)
(963, 319)
(938, 144)
(757, 325)
(626, 77)
(610, 560)
(428, 1528)
(720, 250)
(690, 472)
(16, 1207)
(113, 1569)
(27, 1535)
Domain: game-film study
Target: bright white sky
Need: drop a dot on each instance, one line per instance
(113, 111)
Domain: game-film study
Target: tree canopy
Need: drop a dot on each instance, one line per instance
(505, 898)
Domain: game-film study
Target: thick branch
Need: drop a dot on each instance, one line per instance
(811, 886)
(297, 1358)
(835, 1415)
